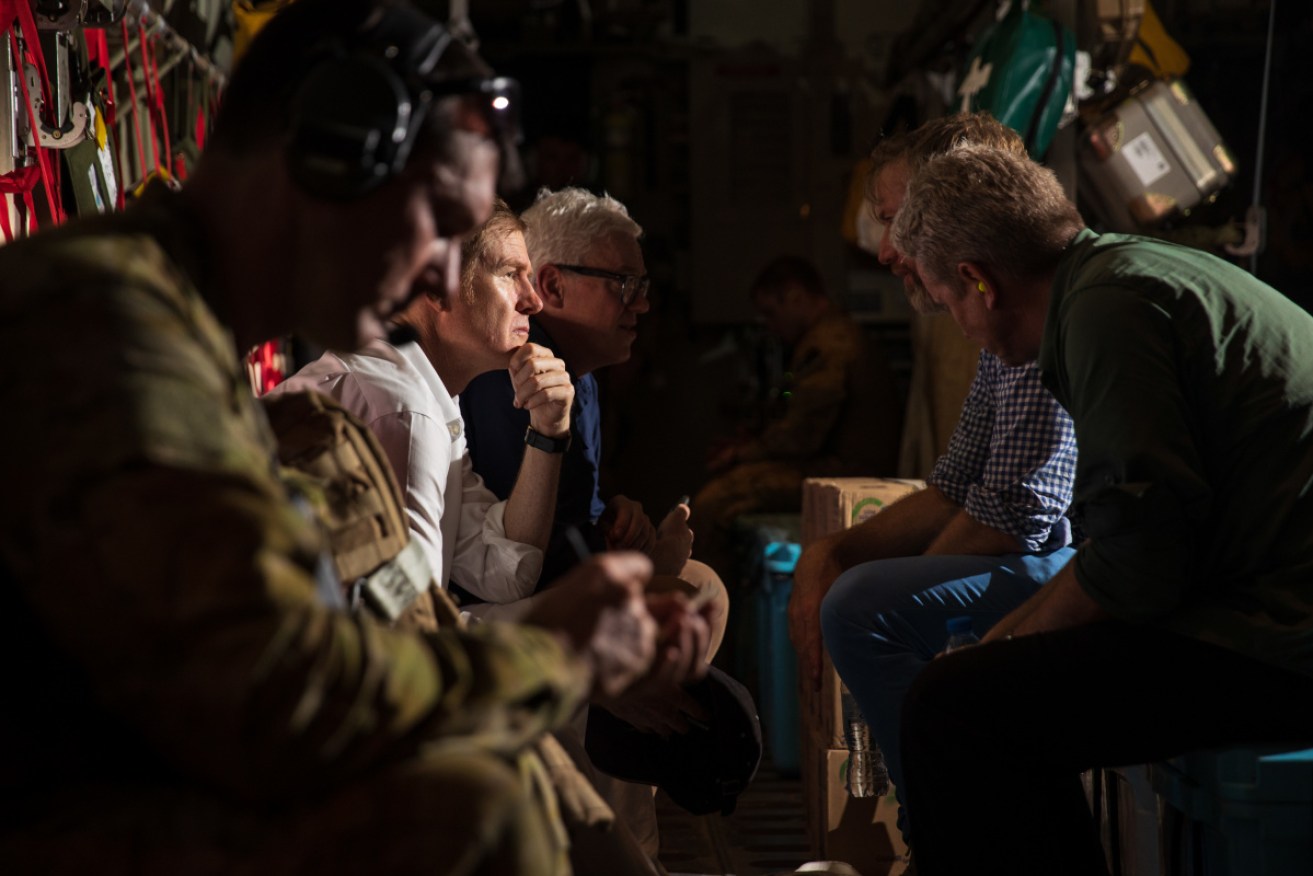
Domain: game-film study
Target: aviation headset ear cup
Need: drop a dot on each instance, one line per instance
(359, 110)
(350, 117)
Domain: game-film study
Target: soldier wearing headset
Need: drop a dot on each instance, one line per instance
(180, 699)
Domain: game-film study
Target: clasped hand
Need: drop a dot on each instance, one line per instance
(543, 388)
(626, 638)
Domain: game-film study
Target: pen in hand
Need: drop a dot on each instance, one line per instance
(575, 539)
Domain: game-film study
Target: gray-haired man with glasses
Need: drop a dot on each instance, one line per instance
(629, 286)
(594, 287)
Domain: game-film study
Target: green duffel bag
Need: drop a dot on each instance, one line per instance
(1021, 71)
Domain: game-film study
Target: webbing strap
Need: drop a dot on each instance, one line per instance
(1055, 72)
(23, 12)
(98, 53)
(17, 182)
(150, 59)
(16, 15)
(161, 106)
(200, 127)
(149, 81)
(5, 227)
(42, 159)
(189, 101)
(132, 92)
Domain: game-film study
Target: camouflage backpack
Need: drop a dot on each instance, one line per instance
(332, 459)
(336, 463)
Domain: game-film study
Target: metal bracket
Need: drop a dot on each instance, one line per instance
(77, 14)
(1255, 233)
(70, 132)
(74, 130)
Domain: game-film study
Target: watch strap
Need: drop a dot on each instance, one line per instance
(545, 443)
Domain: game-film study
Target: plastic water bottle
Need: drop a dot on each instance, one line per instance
(867, 774)
(959, 634)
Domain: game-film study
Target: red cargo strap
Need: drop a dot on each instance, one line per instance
(149, 83)
(17, 182)
(154, 100)
(157, 97)
(17, 15)
(98, 53)
(136, 104)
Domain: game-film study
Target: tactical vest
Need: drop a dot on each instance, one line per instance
(332, 459)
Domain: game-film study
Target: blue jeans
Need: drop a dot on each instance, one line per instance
(883, 621)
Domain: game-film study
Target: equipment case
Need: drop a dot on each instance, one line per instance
(1153, 157)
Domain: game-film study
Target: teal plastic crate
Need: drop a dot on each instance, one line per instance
(1249, 811)
(777, 662)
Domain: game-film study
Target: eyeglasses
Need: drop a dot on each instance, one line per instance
(632, 288)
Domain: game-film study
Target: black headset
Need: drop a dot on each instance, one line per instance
(360, 109)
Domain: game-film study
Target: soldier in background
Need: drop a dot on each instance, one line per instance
(838, 412)
(181, 701)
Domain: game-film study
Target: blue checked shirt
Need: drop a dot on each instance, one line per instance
(1012, 459)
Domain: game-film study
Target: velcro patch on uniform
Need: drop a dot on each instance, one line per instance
(398, 583)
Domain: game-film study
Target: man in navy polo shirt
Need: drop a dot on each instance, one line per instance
(593, 285)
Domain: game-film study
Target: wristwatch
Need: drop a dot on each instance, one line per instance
(546, 444)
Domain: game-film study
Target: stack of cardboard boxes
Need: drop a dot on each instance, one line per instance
(863, 831)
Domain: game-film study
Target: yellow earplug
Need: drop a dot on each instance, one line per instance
(980, 287)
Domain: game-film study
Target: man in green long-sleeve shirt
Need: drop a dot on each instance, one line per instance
(180, 698)
(1186, 619)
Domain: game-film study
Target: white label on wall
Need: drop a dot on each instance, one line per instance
(95, 188)
(107, 173)
(1146, 159)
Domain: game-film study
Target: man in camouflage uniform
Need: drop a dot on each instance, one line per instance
(838, 412)
(180, 699)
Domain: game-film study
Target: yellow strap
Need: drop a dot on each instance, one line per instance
(102, 135)
(160, 173)
(249, 17)
(1155, 49)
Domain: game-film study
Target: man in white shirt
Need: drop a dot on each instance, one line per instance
(405, 393)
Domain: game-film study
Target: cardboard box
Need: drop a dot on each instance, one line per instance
(831, 505)
(822, 711)
(861, 832)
